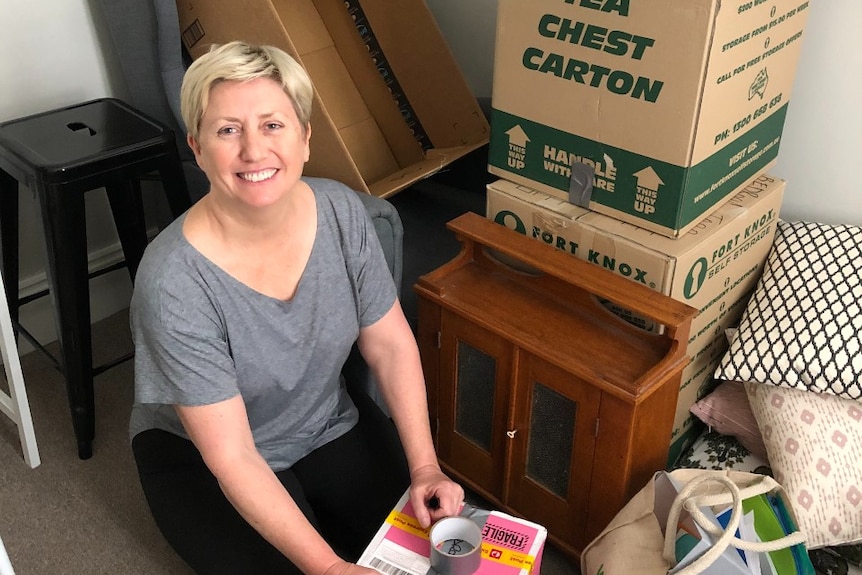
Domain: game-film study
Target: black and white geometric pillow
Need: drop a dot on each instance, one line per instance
(802, 327)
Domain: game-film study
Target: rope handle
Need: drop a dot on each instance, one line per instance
(734, 496)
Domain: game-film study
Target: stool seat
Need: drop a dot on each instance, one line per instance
(84, 142)
(59, 155)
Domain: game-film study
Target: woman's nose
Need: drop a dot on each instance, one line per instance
(253, 146)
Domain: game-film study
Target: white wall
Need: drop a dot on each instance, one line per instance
(48, 58)
(470, 27)
(50, 55)
(821, 148)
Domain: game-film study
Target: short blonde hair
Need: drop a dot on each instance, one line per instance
(241, 62)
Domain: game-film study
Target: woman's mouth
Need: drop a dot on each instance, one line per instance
(257, 176)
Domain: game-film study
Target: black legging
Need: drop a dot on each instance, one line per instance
(346, 489)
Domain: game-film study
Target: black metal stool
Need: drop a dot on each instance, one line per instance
(59, 155)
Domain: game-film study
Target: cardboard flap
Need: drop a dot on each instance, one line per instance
(434, 161)
(450, 114)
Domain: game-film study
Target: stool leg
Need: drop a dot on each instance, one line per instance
(174, 183)
(128, 209)
(9, 241)
(18, 407)
(63, 219)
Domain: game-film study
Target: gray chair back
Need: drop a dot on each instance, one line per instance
(145, 37)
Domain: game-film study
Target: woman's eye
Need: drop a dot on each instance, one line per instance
(227, 130)
(273, 126)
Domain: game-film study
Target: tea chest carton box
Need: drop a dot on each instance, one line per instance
(651, 111)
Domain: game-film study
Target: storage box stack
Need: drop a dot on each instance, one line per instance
(391, 105)
(637, 135)
(713, 268)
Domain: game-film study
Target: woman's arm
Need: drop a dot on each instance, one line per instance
(390, 350)
(221, 433)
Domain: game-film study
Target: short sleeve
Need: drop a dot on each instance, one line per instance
(374, 287)
(182, 354)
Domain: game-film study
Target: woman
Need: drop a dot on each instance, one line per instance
(252, 456)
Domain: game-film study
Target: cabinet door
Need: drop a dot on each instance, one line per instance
(553, 442)
(475, 377)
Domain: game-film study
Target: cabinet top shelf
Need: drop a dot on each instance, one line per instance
(556, 312)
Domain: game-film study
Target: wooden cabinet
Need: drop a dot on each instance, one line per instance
(542, 400)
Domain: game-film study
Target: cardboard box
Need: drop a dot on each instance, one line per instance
(510, 545)
(391, 106)
(713, 268)
(666, 108)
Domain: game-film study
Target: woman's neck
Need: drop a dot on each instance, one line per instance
(240, 227)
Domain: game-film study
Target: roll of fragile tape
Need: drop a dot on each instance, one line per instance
(456, 546)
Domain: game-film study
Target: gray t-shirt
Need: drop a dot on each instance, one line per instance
(201, 336)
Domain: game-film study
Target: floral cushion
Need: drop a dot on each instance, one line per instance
(712, 450)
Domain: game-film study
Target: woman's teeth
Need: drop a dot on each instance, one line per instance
(257, 176)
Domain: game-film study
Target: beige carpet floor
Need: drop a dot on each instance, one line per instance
(69, 516)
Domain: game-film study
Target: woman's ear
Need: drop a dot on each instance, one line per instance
(307, 141)
(193, 144)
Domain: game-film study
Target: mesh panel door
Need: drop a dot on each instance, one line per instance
(553, 443)
(551, 439)
(475, 382)
(474, 395)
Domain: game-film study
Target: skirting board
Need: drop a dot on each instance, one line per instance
(109, 294)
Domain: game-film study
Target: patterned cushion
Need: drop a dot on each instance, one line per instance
(814, 443)
(801, 327)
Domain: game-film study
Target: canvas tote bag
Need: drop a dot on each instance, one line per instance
(634, 542)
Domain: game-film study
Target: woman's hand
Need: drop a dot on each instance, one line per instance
(433, 495)
(345, 568)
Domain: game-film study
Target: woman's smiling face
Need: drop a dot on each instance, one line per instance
(250, 144)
